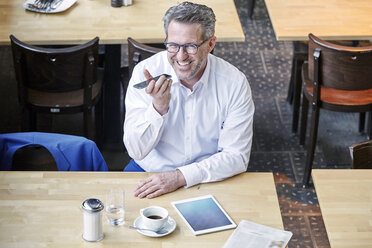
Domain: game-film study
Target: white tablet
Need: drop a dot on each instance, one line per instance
(203, 214)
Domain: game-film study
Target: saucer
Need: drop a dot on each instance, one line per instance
(61, 6)
(170, 225)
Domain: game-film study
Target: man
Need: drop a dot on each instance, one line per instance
(197, 126)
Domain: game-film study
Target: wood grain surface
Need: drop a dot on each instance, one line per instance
(89, 18)
(43, 209)
(345, 199)
(328, 19)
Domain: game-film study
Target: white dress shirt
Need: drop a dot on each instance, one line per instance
(207, 132)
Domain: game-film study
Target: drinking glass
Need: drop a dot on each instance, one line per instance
(115, 210)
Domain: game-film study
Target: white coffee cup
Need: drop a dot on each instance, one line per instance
(154, 217)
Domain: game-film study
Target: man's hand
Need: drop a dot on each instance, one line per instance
(160, 92)
(159, 184)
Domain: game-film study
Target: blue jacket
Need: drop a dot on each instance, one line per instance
(71, 153)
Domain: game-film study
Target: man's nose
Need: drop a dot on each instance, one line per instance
(182, 54)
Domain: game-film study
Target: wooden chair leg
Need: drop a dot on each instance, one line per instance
(89, 124)
(251, 4)
(98, 116)
(291, 82)
(33, 120)
(362, 121)
(25, 119)
(369, 125)
(311, 147)
(296, 94)
(304, 112)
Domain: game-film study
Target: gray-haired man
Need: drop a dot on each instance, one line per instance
(197, 126)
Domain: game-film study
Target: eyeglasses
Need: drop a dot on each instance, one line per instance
(189, 48)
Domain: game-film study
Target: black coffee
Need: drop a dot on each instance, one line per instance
(154, 217)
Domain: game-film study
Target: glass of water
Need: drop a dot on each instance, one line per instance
(115, 206)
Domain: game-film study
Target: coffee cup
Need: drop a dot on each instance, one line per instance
(154, 217)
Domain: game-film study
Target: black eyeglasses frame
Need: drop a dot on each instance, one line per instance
(184, 46)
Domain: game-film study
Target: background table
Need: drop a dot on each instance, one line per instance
(87, 19)
(327, 19)
(42, 209)
(345, 199)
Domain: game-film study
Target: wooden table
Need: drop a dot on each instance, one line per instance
(328, 19)
(43, 209)
(345, 199)
(87, 19)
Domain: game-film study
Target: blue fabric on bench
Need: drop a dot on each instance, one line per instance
(133, 166)
(71, 153)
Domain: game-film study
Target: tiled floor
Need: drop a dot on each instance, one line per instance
(267, 63)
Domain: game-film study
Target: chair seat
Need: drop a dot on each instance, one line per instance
(335, 96)
(61, 99)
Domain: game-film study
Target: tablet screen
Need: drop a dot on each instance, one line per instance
(203, 214)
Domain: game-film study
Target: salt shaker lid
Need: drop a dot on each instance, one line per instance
(92, 205)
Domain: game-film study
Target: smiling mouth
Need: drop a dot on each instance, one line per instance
(183, 63)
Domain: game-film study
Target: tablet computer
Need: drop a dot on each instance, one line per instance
(203, 214)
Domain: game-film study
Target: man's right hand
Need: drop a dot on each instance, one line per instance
(160, 92)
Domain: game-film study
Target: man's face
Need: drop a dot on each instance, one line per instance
(189, 68)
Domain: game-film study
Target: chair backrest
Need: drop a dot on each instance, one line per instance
(361, 155)
(341, 67)
(138, 52)
(55, 69)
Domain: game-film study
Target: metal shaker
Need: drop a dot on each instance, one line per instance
(116, 3)
(119, 3)
(92, 220)
(127, 2)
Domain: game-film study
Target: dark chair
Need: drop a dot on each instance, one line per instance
(337, 78)
(361, 155)
(57, 81)
(138, 52)
(300, 54)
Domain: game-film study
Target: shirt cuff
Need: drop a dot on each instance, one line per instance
(192, 174)
(153, 115)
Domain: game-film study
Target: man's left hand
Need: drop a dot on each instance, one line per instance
(159, 184)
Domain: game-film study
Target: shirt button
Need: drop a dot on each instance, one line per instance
(187, 138)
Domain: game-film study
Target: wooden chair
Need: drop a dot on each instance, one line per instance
(337, 78)
(138, 52)
(300, 55)
(57, 81)
(361, 155)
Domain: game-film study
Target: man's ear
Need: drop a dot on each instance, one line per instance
(212, 43)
